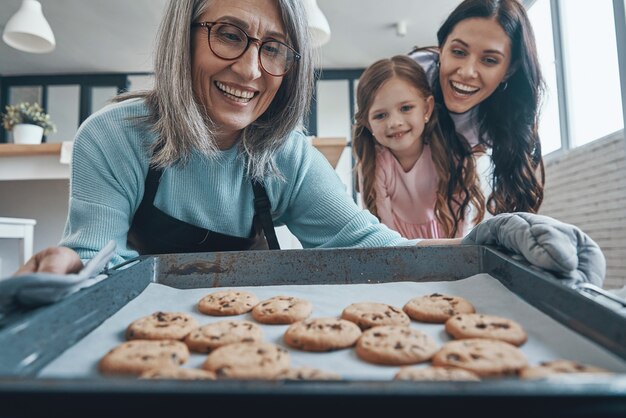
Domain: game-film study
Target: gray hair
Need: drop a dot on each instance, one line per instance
(181, 123)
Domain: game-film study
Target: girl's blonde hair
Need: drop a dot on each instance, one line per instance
(456, 190)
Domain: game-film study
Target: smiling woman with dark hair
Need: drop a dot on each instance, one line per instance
(488, 87)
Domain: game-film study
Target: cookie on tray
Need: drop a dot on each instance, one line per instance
(437, 308)
(178, 373)
(248, 361)
(486, 326)
(370, 314)
(307, 373)
(227, 302)
(137, 356)
(161, 326)
(432, 373)
(484, 357)
(555, 367)
(282, 310)
(208, 337)
(395, 345)
(322, 334)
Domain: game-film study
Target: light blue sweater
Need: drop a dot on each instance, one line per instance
(110, 164)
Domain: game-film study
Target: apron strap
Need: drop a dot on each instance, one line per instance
(262, 209)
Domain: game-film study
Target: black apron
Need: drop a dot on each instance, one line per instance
(152, 231)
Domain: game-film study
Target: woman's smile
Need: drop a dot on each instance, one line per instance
(463, 89)
(237, 94)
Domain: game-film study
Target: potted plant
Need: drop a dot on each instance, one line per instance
(28, 122)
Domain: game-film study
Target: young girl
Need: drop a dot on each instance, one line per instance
(403, 168)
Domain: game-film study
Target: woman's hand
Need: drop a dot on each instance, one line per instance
(58, 260)
(545, 243)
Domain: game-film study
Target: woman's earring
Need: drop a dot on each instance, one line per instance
(504, 85)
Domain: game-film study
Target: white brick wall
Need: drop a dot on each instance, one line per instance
(587, 187)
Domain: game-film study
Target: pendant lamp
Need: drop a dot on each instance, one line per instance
(318, 25)
(28, 30)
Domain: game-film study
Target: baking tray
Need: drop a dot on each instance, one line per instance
(30, 340)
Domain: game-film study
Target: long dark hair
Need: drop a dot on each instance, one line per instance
(456, 188)
(509, 117)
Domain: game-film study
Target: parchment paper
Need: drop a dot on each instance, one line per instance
(547, 339)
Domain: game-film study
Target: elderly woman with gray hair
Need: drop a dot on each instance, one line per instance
(212, 157)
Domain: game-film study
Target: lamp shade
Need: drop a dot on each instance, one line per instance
(318, 25)
(28, 30)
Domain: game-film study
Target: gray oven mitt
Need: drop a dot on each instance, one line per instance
(544, 242)
(35, 289)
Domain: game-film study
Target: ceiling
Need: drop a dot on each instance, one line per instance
(104, 36)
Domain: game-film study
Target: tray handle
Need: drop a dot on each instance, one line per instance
(598, 294)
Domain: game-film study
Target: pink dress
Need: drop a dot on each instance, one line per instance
(405, 201)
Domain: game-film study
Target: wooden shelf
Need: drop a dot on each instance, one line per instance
(32, 162)
(13, 150)
(331, 148)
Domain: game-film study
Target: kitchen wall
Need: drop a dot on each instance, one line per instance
(46, 201)
(587, 187)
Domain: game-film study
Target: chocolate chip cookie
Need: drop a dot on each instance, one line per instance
(486, 326)
(208, 337)
(248, 361)
(161, 326)
(137, 356)
(370, 314)
(555, 367)
(307, 373)
(322, 334)
(482, 356)
(437, 308)
(227, 302)
(178, 373)
(282, 310)
(395, 345)
(432, 373)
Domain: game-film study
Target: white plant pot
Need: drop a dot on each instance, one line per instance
(25, 133)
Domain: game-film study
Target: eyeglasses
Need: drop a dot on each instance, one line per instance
(230, 42)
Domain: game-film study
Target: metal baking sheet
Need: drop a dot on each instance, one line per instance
(32, 341)
(547, 339)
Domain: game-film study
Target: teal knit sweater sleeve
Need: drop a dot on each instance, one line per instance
(110, 164)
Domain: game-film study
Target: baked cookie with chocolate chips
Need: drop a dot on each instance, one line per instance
(178, 373)
(555, 367)
(370, 314)
(484, 357)
(208, 337)
(432, 373)
(395, 345)
(486, 326)
(161, 326)
(322, 334)
(307, 373)
(437, 308)
(227, 302)
(248, 361)
(137, 356)
(282, 310)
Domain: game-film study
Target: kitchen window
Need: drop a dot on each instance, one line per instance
(578, 50)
